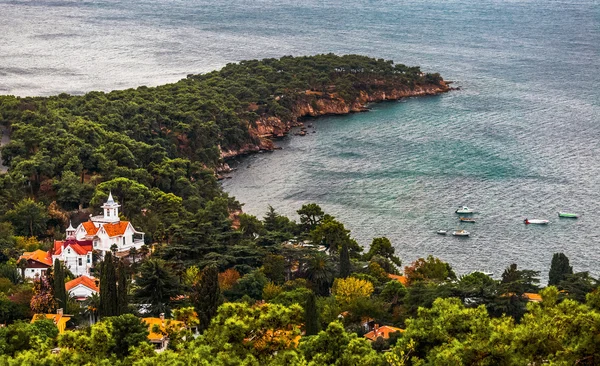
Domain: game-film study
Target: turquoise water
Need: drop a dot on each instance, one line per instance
(520, 139)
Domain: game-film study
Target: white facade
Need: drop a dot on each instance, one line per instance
(78, 261)
(81, 292)
(108, 230)
(33, 273)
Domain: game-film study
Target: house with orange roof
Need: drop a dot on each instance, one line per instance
(158, 329)
(35, 264)
(82, 287)
(383, 332)
(59, 319)
(106, 230)
(402, 279)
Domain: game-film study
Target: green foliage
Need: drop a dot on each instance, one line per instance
(207, 298)
(559, 269)
(60, 292)
(127, 331)
(345, 266)
(156, 285)
(429, 270)
(311, 215)
(274, 267)
(333, 346)
(28, 217)
(311, 316)
(382, 247)
(109, 297)
(251, 285)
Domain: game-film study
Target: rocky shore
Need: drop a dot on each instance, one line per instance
(314, 104)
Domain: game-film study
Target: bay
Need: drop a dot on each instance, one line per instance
(520, 139)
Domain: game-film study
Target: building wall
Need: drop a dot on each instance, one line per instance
(81, 291)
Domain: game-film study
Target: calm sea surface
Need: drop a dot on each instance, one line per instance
(520, 139)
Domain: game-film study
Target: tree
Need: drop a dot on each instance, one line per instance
(228, 279)
(60, 292)
(311, 215)
(109, 297)
(576, 286)
(430, 269)
(383, 247)
(207, 297)
(320, 271)
(334, 346)
(559, 269)
(128, 331)
(156, 285)
(43, 300)
(346, 290)
(345, 266)
(331, 233)
(311, 315)
(28, 218)
(274, 268)
(122, 289)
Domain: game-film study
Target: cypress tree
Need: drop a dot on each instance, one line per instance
(108, 288)
(208, 296)
(344, 261)
(122, 288)
(58, 284)
(559, 269)
(311, 315)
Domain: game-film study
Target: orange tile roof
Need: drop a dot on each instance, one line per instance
(403, 280)
(533, 297)
(161, 323)
(118, 228)
(90, 228)
(38, 256)
(383, 332)
(82, 280)
(59, 320)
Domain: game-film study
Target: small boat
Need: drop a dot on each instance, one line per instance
(461, 233)
(568, 215)
(466, 219)
(442, 232)
(464, 210)
(536, 222)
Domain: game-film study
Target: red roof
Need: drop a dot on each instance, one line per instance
(80, 247)
(90, 228)
(38, 256)
(383, 332)
(118, 228)
(82, 280)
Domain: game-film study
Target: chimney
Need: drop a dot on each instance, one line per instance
(162, 317)
(59, 311)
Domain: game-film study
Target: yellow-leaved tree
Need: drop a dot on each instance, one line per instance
(347, 290)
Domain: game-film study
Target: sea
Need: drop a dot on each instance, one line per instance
(519, 139)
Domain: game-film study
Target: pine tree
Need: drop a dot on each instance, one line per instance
(344, 261)
(122, 288)
(207, 296)
(559, 269)
(60, 292)
(311, 315)
(108, 288)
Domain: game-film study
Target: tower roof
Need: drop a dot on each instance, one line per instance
(70, 228)
(110, 198)
(110, 202)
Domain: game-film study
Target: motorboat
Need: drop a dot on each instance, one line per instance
(461, 233)
(536, 222)
(467, 219)
(568, 215)
(464, 210)
(442, 232)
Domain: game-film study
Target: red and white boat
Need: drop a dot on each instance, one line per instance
(536, 221)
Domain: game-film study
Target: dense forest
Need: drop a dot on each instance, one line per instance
(267, 290)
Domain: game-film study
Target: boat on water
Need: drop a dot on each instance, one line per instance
(464, 210)
(536, 222)
(568, 215)
(466, 219)
(461, 233)
(442, 232)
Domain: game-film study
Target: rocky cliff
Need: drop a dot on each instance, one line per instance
(315, 104)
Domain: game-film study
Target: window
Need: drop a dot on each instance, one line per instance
(107, 213)
(95, 243)
(89, 259)
(69, 251)
(80, 261)
(123, 241)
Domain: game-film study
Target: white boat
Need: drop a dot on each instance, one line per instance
(464, 210)
(442, 232)
(536, 222)
(461, 233)
(568, 215)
